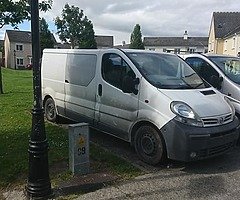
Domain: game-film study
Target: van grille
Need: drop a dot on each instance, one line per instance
(214, 121)
(215, 150)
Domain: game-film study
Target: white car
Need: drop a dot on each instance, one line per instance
(221, 71)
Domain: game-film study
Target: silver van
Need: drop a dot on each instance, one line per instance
(221, 71)
(155, 101)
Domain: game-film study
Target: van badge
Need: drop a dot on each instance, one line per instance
(221, 120)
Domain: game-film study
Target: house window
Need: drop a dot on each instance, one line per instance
(225, 45)
(19, 61)
(19, 47)
(152, 49)
(30, 60)
(209, 46)
(212, 46)
(234, 43)
(177, 50)
(192, 50)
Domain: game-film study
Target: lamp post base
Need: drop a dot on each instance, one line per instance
(38, 185)
(40, 190)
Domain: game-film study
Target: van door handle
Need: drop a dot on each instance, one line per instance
(66, 81)
(100, 90)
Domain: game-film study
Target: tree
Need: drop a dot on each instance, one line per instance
(87, 40)
(136, 38)
(15, 12)
(75, 28)
(46, 37)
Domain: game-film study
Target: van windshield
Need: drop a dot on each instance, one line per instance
(166, 71)
(229, 65)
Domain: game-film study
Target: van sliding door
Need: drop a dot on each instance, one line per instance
(80, 87)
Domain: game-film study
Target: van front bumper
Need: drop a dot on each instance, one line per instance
(188, 143)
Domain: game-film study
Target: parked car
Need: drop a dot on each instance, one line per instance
(155, 101)
(29, 66)
(221, 71)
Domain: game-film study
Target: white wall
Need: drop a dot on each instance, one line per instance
(231, 45)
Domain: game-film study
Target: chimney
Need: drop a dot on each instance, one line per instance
(185, 35)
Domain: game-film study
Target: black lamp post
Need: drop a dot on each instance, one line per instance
(38, 185)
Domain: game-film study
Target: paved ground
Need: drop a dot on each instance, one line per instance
(216, 178)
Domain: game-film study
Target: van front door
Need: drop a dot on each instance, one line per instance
(117, 110)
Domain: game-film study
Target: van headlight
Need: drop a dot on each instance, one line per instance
(228, 100)
(185, 114)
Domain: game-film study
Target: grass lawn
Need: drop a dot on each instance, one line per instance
(15, 127)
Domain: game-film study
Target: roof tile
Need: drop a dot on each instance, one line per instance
(175, 41)
(225, 23)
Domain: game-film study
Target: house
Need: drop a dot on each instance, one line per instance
(224, 33)
(1, 52)
(64, 45)
(104, 41)
(122, 46)
(177, 45)
(18, 49)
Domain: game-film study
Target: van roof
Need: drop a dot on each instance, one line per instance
(99, 50)
(69, 50)
(184, 56)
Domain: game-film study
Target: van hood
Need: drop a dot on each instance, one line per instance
(205, 102)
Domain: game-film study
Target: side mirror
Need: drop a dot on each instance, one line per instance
(216, 81)
(129, 84)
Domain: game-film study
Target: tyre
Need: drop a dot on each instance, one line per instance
(149, 145)
(50, 110)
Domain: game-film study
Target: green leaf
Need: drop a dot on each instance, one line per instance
(136, 38)
(75, 28)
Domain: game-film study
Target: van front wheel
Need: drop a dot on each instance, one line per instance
(50, 110)
(149, 145)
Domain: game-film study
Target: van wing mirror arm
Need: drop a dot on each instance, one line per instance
(129, 85)
(216, 81)
(136, 81)
(220, 79)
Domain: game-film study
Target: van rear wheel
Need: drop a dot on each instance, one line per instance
(149, 145)
(50, 110)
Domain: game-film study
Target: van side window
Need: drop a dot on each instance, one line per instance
(203, 69)
(114, 69)
(81, 68)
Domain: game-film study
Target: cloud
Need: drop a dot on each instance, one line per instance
(156, 17)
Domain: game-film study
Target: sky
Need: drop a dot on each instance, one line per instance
(156, 17)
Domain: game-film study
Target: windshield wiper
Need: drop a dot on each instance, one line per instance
(164, 86)
(198, 85)
(189, 75)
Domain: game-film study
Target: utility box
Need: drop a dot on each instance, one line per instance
(79, 148)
